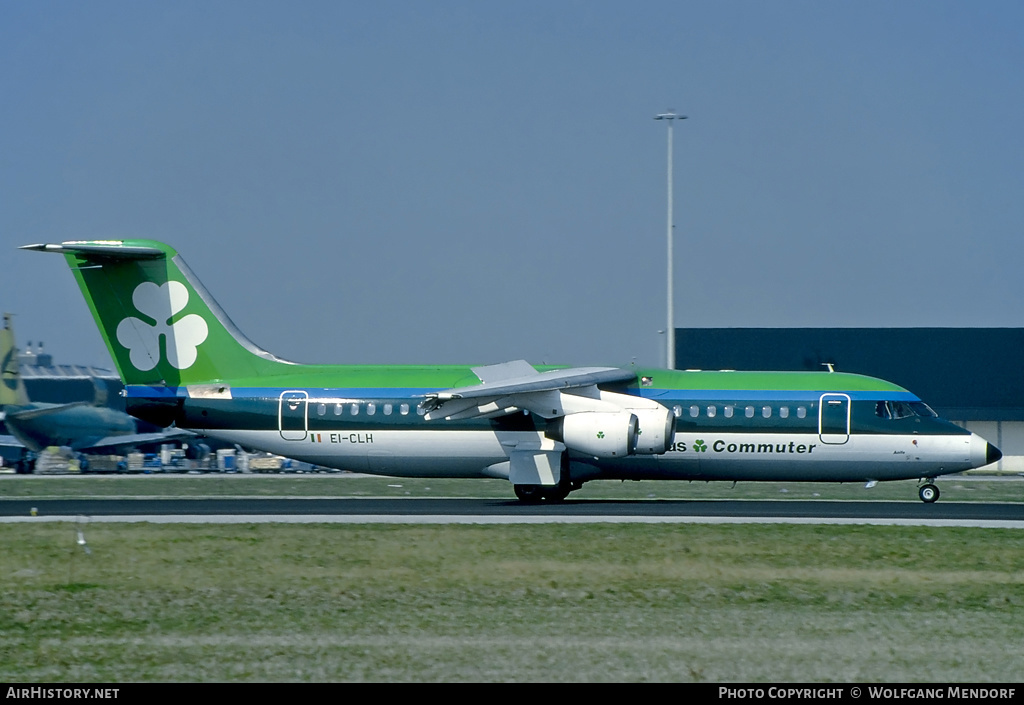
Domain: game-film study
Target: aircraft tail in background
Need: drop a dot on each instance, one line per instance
(12, 388)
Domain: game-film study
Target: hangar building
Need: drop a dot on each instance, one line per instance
(61, 384)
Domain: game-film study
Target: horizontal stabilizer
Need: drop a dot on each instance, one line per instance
(98, 249)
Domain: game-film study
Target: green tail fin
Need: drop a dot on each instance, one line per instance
(160, 324)
(12, 389)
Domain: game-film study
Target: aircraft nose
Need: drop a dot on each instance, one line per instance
(992, 454)
(982, 452)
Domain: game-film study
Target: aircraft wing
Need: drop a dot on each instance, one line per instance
(29, 414)
(516, 385)
(10, 442)
(114, 443)
(136, 439)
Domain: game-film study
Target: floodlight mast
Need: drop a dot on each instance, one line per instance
(670, 330)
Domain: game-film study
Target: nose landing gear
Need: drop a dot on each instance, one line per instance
(928, 492)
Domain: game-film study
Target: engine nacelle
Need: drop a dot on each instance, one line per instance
(603, 434)
(657, 430)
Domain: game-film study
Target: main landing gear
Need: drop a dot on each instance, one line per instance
(533, 494)
(928, 492)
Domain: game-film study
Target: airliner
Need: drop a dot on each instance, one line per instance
(545, 429)
(78, 425)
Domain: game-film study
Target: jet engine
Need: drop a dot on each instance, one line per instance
(657, 430)
(603, 434)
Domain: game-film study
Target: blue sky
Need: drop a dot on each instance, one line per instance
(474, 182)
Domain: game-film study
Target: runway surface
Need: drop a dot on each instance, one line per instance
(499, 511)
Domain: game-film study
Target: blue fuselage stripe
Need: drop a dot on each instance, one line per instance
(665, 396)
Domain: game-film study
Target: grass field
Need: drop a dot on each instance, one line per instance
(600, 602)
(275, 602)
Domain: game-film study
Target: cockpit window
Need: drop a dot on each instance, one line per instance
(923, 409)
(903, 409)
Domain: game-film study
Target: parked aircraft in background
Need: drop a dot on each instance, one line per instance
(78, 425)
(547, 430)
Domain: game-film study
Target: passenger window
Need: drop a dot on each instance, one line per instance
(766, 411)
(337, 409)
(354, 410)
(371, 409)
(321, 409)
(694, 411)
(748, 412)
(729, 410)
(712, 410)
(783, 412)
(677, 411)
(404, 409)
(388, 409)
(801, 412)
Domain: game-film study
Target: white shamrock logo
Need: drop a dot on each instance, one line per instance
(142, 339)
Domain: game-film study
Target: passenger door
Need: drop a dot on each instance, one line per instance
(292, 415)
(834, 419)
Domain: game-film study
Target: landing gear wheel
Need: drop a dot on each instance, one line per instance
(928, 493)
(529, 494)
(556, 494)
